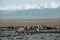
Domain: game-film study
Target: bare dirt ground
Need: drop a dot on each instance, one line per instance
(50, 22)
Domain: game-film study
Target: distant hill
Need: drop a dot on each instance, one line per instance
(31, 13)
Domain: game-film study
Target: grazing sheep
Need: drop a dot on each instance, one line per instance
(50, 26)
(20, 30)
(28, 27)
(41, 27)
(37, 30)
(56, 27)
(31, 27)
(25, 27)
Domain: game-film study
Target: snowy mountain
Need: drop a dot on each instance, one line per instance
(51, 4)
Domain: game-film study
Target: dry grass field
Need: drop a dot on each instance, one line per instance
(50, 22)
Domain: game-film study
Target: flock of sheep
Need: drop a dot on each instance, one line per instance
(22, 29)
(36, 28)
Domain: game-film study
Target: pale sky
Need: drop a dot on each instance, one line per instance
(18, 2)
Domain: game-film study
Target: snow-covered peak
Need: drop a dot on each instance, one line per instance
(51, 4)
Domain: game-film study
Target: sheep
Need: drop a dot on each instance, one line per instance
(37, 30)
(21, 30)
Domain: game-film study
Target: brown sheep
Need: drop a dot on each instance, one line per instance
(21, 30)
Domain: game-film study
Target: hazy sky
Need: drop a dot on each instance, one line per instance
(18, 2)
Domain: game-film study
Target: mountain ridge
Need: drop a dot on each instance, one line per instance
(51, 4)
